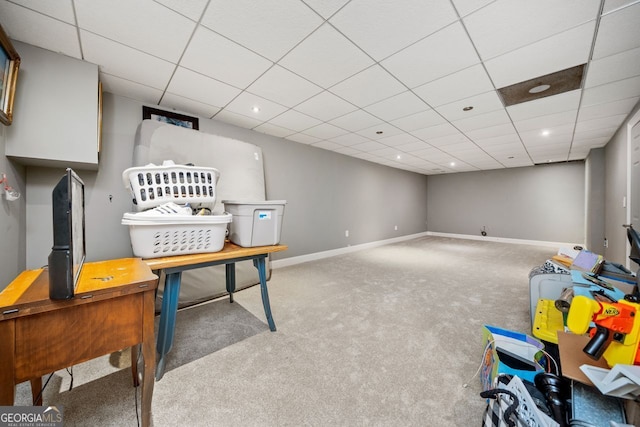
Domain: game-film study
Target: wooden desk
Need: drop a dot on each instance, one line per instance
(174, 266)
(113, 308)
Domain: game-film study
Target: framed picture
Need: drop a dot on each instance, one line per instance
(169, 117)
(9, 64)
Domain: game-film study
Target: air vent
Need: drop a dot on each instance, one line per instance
(541, 87)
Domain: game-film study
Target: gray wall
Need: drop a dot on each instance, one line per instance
(544, 203)
(327, 193)
(595, 200)
(12, 219)
(616, 189)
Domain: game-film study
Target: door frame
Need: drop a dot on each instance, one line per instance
(634, 120)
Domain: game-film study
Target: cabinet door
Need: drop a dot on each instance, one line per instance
(55, 111)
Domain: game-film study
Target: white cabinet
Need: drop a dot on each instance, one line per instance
(55, 121)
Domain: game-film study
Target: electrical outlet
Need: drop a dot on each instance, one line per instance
(606, 242)
(346, 233)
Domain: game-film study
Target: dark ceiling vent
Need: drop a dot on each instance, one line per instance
(541, 87)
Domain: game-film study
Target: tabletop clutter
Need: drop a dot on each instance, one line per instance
(581, 367)
(175, 213)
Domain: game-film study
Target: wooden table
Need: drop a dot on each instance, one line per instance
(173, 267)
(113, 308)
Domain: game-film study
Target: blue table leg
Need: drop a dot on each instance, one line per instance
(262, 273)
(230, 278)
(167, 325)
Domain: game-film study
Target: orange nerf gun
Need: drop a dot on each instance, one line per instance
(616, 332)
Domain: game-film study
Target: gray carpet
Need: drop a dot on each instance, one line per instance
(384, 337)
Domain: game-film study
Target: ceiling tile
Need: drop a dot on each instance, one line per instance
(201, 109)
(379, 131)
(326, 8)
(356, 120)
(368, 86)
(463, 84)
(214, 56)
(269, 28)
(325, 106)
(510, 139)
(274, 130)
(123, 61)
(368, 146)
(613, 5)
(465, 7)
(284, 87)
(419, 121)
(237, 119)
(142, 24)
(602, 123)
(445, 52)
(493, 118)
(444, 129)
(383, 27)
(546, 122)
(325, 131)
(552, 54)
(491, 132)
(543, 106)
(295, 120)
(590, 142)
(483, 103)
(618, 31)
(612, 68)
(192, 9)
(326, 57)
(347, 151)
(446, 140)
(129, 89)
(505, 25)
(245, 103)
(327, 145)
(399, 139)
(61, 10)
(303, 139)
(401, 105)
(201, 88)
(595, 133)
(609, 92)
(413, 146)
(19, 22)
(349, 139)
(623, 106)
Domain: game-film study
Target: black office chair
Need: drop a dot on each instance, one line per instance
(634, 255)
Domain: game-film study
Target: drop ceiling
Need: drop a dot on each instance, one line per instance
(385, 81)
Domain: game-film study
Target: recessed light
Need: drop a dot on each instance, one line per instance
(545, 133)
(539, 88)
(398, 157)
(255, 109)
(469, 108)
(452, 164)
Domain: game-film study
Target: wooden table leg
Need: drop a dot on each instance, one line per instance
(149, 356)
(36, 391)
(134, 365)
(7, 362)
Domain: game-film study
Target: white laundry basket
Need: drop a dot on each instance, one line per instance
(176, 234)
(153, 185)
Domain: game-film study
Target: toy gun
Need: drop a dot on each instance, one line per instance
(616, 332)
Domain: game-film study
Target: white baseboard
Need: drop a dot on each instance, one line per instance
(504, 240)
(279, 263)
(286, 262)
